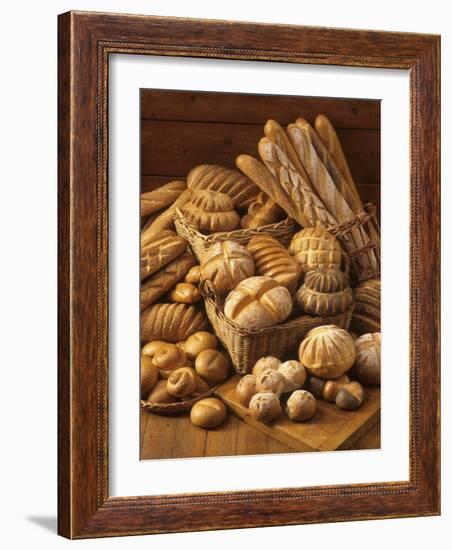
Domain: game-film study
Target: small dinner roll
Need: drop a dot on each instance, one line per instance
(301, 406)
(212, 366)
(151, 348)
(208, 413)
(264, 363)
(198, 342)
(270, 381)
(246, 388)
(149, 375)
(194, 275)
(294, 375)
(265, 407)
(169, 357)
(182, 382)
(185, 293)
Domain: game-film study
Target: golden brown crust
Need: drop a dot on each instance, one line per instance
(171, 322)
(161, 198)
(208, 413)
(210, 212)
(158, 251)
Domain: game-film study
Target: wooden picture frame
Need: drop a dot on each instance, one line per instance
(86, 40)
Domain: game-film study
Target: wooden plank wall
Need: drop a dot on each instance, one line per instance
(180, 129)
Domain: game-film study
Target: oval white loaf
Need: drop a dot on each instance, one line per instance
(258, 302)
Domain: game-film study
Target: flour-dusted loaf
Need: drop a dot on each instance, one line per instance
(367, 364)
(171, 322)
(366, 314)
(159, 251)
(226, 264)
(155, 286)
(324, 292)
(258, 302)
(224, 180)
(211, 212)
(273, 260)
(262, 211)
(316, 248)
(161, 198)
(327, 351)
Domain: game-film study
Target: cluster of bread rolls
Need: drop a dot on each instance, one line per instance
(332, 366)
(174, 372)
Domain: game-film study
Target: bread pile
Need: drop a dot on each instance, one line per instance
(261, 282)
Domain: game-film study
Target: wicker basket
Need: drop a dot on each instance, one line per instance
(167, 409)
(246, 346)
(362, 263)
(199, 243)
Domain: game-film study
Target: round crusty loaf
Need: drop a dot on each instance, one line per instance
(367, 365)
(231, 182)
(171, 322)
(210, 211)
(366, 314)
(258, 302)
(316, 248)
(273, 260)
(226, 264)
(327, 351)
(324, 292)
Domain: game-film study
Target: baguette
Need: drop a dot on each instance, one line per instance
(161, 198)
(237, 186)
(159, 251)
(171, 322)
(156, 286)
(166, 219)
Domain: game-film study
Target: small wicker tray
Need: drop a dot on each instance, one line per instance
(167, 409)
(199, 243)
(246, 346)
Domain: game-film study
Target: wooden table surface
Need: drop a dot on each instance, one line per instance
(177, 437)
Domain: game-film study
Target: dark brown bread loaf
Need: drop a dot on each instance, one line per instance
(159, 283)
(171, 322)
(223, 180)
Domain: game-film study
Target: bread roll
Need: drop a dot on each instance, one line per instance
(149, 375)
(350, 396)
(273, 260)
(264, 407)
(367, 364)
(161, 198)
(246, 388)
(270, 381)
(159, 394)
(366, 314)
(151, 348)
(226, 264)
(199, 342)
(262, 211)
(185, 293)
(208, 413)
(194, 275)
(332, 387)
(210, 212)
(315, 248)
(158, 284)
(212, 366)
(171, 322)
(159, 251)
(264, 363)
(327, 351)
(258, 302)
(182, 382)
(294, 375)
(168, 358)
(324, 292)
(231, 182)
(301, 406)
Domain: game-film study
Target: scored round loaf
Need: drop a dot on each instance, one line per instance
(324, 292)
(224, 180)
(273, 260)
(301, 406)
(212, 366)
(208, 413)
(226, 264)
(367, 364)
(171, 322)
(264, 407)
(246, 388)
(366, 314)
(258, 302)
(294, 375)
(210, 211)
(270, 381)
(316, 248)
(267, 362)
(327, 351)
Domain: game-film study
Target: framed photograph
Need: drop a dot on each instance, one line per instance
(248, 275)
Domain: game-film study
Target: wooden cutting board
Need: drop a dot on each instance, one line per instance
(330, 429)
